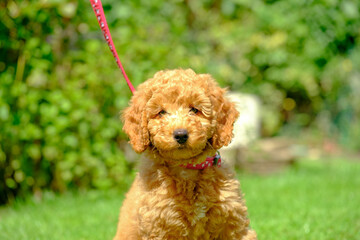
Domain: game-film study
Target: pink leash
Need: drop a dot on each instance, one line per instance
(99, 12)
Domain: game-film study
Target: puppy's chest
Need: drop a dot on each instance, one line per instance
(200, 201)
(205, 211)
(199, 207)
(198, 204)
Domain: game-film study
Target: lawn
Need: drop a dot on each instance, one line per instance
(313, 200)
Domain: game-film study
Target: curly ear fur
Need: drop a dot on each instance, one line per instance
(225, 115)
(135, 122)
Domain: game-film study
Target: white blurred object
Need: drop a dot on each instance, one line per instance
(246, 127)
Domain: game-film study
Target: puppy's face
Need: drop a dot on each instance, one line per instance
(178, 114)
(180, 122)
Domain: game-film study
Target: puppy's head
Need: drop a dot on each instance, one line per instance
(179, 114)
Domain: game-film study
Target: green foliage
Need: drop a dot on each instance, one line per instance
(60, 89)
(59, 102)
(303, 57)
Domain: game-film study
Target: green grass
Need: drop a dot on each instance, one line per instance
(92, 215)
(313, 201)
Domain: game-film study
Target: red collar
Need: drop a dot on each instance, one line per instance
(210, 161)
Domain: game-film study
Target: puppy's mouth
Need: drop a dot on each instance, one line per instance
(180, 152)
(180, 145)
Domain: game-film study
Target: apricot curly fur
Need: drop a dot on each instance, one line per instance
(167, 201)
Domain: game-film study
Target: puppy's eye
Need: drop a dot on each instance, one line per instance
(162, 113)
(194, 110)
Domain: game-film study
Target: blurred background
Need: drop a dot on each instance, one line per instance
(61, 91)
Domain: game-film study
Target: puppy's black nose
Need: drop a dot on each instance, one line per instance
(181, 135)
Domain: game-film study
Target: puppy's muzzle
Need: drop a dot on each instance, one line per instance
(181, 135)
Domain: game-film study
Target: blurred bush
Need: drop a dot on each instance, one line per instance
(60, 98)
(60, 89)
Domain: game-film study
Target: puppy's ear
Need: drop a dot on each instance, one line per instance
(225, 116)
(135, 122)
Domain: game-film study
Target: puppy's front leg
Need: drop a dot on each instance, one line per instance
(237, 222)
(250, 235)
(234, 232)
(162, 221)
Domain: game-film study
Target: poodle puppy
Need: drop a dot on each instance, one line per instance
(180, 119)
